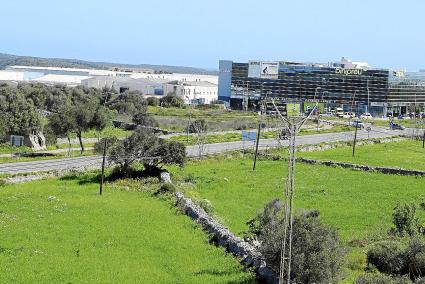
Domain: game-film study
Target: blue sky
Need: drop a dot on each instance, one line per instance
(198, 33)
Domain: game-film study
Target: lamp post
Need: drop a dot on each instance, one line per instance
(368, 101)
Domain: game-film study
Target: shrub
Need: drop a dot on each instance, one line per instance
(198, 126)
(313, 243)
(144, 119)
(369, 278)
(152, 101)
(206, 205)
(387, 257)
(167, 188)
(171, 100)
(405, 220)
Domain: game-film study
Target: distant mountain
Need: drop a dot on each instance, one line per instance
(10, 59)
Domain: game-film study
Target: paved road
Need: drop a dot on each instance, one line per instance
(192, 151)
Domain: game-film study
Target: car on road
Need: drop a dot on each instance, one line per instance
(358, 124)
(366, 115)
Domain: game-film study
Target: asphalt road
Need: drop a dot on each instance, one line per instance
(193, 151)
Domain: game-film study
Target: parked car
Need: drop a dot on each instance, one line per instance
(395, 126)
(366, 115)
(403, 116)
(339, 112)
(349, 115)
(358, 124)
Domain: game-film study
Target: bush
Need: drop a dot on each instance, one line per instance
(152, 101)
(198, 126)
(369, 278)
(313, 243)
(387, 257)
(171, 100)
(167, 188)
(144, 119)
(206, 205)
(405, 220)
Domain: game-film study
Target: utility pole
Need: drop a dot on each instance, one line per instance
(354, 142)
(262, 110)
(292, 124)
(423, 140)
(103, 166)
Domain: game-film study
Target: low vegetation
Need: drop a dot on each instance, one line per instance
(62, 231)
(407, 154)
(358, 204)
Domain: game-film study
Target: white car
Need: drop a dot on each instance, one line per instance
(349, 115)
(366, 116)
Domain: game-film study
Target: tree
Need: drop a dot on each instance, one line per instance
(102, 118)
(147, 148)
(313, 243)
(144, 119)
(199, 127)
(18, 113)
(62, 124)
(129, 103)
(171, 100)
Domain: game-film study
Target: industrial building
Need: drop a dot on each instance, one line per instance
(355, 86)
(193, 88)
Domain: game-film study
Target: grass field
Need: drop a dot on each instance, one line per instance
(62, 231)
(232, 137)
(407, 154)
(73, 154)
(358, 204)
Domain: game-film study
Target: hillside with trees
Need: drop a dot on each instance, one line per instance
(10, 59)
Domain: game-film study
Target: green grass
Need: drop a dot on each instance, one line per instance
(232, 137)
(74, 154)
(359, 204)
(407, 154)
(62, 231)
(219, 114)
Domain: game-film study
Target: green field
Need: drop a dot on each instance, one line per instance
(73, 154)
(62, 231)
(359, 204)
(232, 137)
(407, 154)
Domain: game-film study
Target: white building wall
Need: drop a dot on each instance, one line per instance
(192, 92)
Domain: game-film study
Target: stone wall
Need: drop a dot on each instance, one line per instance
(394, 171)
(220, 234)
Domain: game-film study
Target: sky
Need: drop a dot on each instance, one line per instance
(198, 33)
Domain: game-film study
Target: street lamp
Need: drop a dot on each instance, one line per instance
(368, 102)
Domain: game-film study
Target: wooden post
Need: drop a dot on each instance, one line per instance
(423, 140)
(256, 146)
(103, 167)
(354, 143)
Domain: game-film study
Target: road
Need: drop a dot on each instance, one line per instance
(192, 151)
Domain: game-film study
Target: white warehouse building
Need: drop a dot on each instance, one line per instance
(193, 92)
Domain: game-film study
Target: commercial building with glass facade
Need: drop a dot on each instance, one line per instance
(351, 85)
